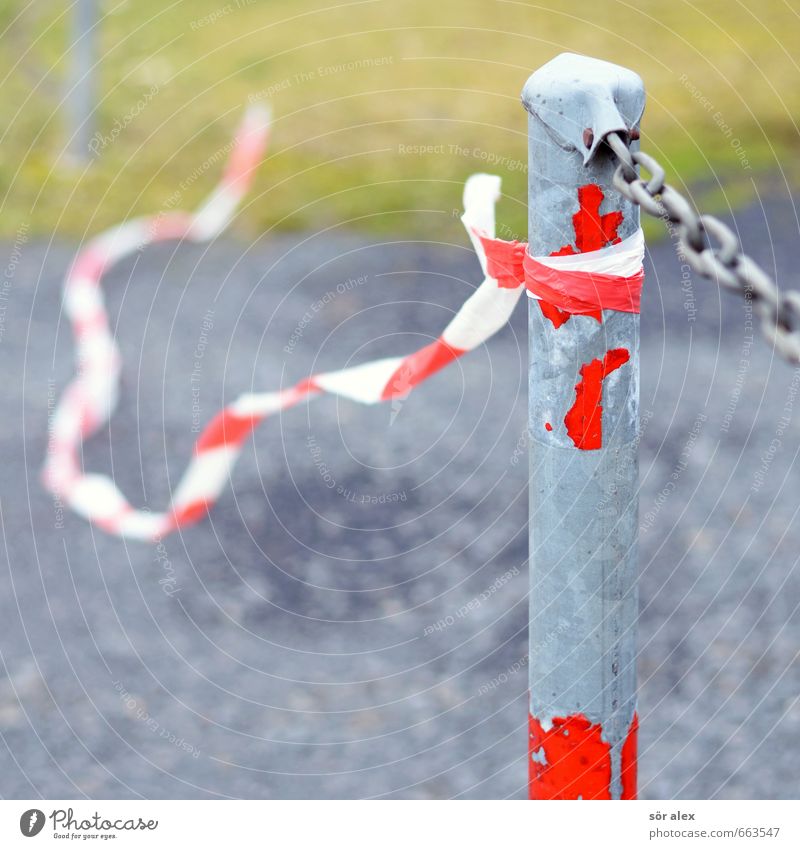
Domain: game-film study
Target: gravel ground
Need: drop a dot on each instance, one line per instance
(286, 647)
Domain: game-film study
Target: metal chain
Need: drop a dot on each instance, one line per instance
(722, 260)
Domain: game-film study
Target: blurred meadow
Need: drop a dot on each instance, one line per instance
(381, 108)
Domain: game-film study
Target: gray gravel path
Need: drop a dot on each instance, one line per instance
(295, 653)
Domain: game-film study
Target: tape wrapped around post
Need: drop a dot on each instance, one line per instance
(610, 278)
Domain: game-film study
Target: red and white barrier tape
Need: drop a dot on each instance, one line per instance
(579, 283)
(90, 398)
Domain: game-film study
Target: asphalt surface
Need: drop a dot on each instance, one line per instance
(289, 646)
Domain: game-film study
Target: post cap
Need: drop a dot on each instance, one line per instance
(576, 96)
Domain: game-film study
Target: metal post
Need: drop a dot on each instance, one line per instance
(583, 486)
(81, 96)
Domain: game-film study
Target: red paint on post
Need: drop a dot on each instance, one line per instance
(548, 426)
(572, 761)
(556, 315)
(629, 758)
(593, 231)
(584, 419)
(569, 761)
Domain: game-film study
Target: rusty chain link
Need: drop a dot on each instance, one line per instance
(710, 247)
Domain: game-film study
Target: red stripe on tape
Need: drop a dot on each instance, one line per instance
(583, 292)
(566, 292)
(89, 264)
(307, 386)
(504, 261)
(173, 226)
(418, 366)
(246, 155)
(574, 292)
(191, 513)
(226, 428)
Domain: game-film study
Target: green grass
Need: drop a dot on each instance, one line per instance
(442, 73)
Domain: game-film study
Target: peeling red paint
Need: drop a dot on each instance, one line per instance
(558, 316)
(572, 761)
(592, 232)
(569, 761)
(629, 758)
(548, 426)
(584, 419)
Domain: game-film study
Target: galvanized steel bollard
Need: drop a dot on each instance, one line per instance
(583, 424)
(81, 98)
